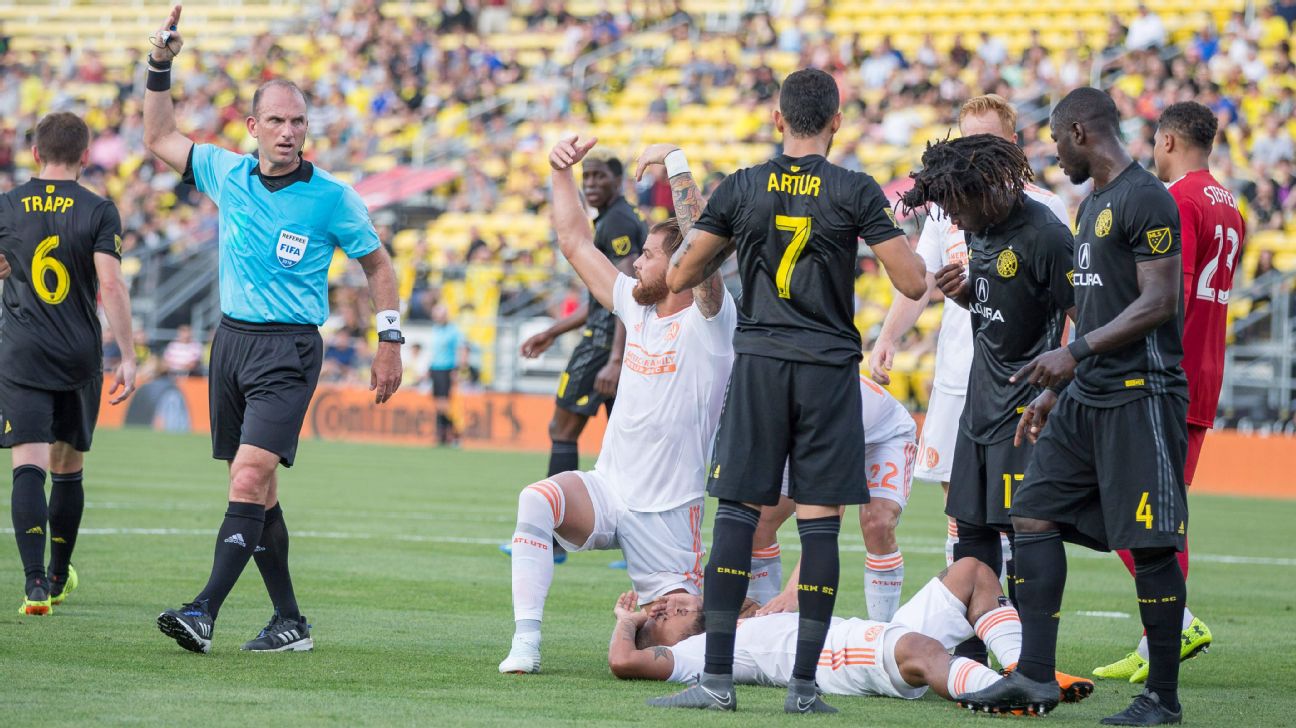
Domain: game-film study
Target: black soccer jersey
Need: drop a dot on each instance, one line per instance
(1019, 275)
(619, 233)
(1131, 220)
(797, 223)
(50, 231)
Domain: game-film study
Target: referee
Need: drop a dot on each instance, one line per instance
(280, 220)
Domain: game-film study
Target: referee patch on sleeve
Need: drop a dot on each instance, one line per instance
(1159, 240)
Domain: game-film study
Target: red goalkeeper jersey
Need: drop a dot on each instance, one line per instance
(1213, 233)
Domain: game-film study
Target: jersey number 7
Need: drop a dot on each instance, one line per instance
(800, 229)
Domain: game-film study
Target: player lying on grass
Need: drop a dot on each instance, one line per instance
(644, 494)
(899, 659)
(889, 453)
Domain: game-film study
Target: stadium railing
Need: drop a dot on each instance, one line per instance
(1259, 381)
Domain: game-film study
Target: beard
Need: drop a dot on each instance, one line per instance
(650, 293)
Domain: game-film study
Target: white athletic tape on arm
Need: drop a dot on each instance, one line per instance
(676, 163)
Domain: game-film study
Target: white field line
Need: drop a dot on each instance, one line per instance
(494, 541)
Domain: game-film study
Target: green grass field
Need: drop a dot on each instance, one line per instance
(395, 560)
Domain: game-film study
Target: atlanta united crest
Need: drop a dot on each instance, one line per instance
(291, 248)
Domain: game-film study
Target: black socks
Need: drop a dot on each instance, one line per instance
(727, 575)
(1041, 577)
(30, 519)
(239, 534)
(66, 504)
(816, 590)
(1161, 595)
(563, 456)
(272, 561)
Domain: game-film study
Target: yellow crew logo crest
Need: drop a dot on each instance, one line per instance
(1103, 224)
(1006, 266)
(1159, 240)
(621, 245)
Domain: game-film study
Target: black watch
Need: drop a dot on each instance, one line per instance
(391, 336)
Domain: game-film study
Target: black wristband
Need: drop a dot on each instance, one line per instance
(391, 336)
(159, 75)
(1079, 349)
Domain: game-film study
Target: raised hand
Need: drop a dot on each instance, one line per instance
(569, 150)
(167, 41)
(653, 155)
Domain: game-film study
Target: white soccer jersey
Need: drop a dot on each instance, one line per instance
(854, 660)
(885, 419)
(673, 378)
(940, 244)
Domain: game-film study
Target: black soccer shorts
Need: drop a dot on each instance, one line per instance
(807, 415)
(30, 415)
(1112, 477)
(576, 391)
(262, 379)
(983, 479)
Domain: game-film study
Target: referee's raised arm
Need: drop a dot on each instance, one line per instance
(160, 135)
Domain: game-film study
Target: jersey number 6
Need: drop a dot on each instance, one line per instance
(800, 229)
(42, 264)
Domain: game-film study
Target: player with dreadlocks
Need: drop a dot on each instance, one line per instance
(1017, 289)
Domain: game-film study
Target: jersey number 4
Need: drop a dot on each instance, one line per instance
(1204, 290)
(800, 229)
(42, 265)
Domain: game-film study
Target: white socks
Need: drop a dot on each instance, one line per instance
(541, 507)
(1006, 548)
(968, 676)
(766, 574)
(951, 538)
(883, 578)
(1000, 630)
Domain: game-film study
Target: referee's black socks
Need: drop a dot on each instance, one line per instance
(1159, 581)
(1041, 577)
(564, 456)
(238, 536)
(816, 590)
(272, 561)
(728, 574)
(30, 516)
(66, 504)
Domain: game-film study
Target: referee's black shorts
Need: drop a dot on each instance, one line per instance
(576, 392)
(1111, 477)
(261, 383)
(30, 414)
(807, 415)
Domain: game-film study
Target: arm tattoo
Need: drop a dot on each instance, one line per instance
(688, 201)
(661, 653)
(625, 630)
(943, 574)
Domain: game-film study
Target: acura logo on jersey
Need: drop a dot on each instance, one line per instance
(1082, 256)
(982, 290)
(291, 248)
(983, 295)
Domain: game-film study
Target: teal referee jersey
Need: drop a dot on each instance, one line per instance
(277, 234)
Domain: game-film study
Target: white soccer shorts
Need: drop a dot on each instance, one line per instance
(939, 431)
(663, 549)
(890, 470)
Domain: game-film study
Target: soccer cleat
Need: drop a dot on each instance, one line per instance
(190, 626)
(713, 692)
(65, 587)
(803, 697)
(1193, 641)
(1147, 709)
(560, 553)
(1073, 689)
(282, 635)
(1123, 668)
(1013, 694)
(36, 601)
(523, 657)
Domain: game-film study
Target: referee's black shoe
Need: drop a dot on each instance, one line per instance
(1147, 709)
(190, 626)
(282, 635)
(1013, 694)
